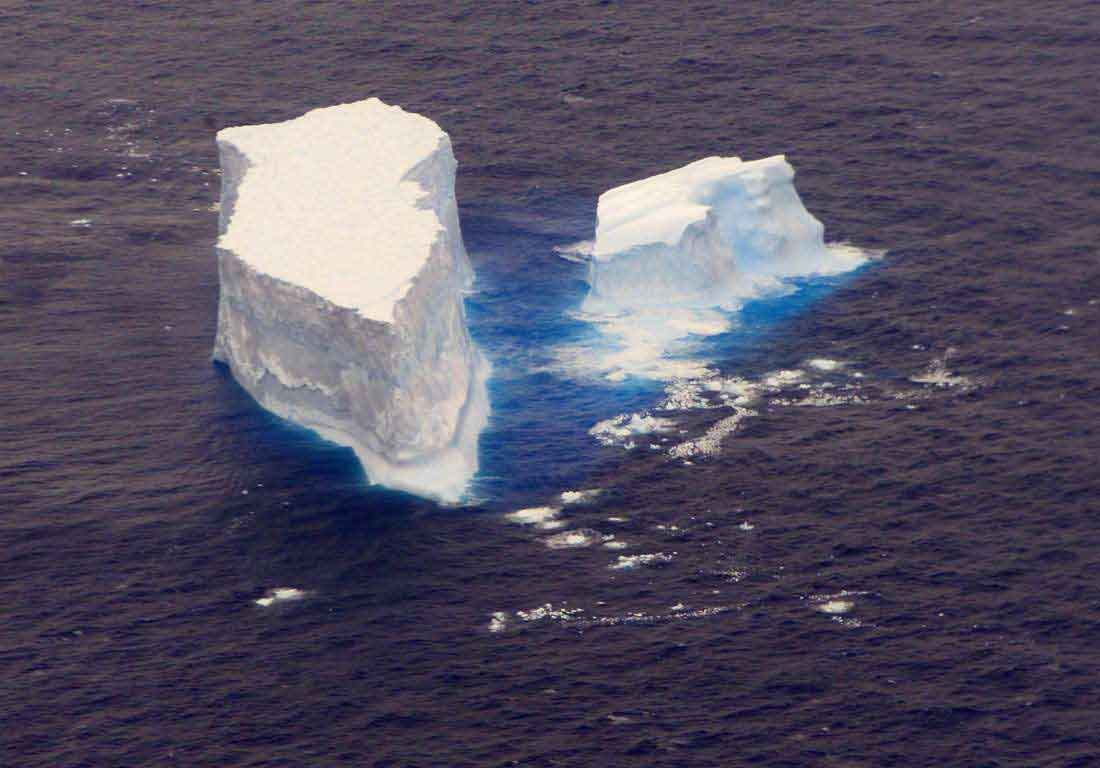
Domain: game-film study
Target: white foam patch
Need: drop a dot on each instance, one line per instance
(580, 497)
(622, 429)
(281, 595)
(578, 539)
(548, 612)
(937, 375)
(711, 442)
(540, 517)
(654, 345)
(630, 562)
(779, 380)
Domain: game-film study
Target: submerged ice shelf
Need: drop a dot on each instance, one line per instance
(342, 271)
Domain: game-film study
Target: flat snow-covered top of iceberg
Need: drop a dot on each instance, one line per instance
(325, 203)
(658, 209)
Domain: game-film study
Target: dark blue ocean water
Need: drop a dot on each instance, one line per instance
(906, 580)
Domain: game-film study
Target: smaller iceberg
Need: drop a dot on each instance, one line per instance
(710, 234)
(676, 252)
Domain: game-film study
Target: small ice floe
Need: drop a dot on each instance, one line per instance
(578, 539)
(498, 622)
(580, 497)
(711, 442)
(573, 99)
(835, 607)
(630, 562)
(614, 519)
(746, 526)
(540, 517)
(620, 430)
(80, 223)
(280, 595)
(677, 607)
(615, 544)
(824, 364)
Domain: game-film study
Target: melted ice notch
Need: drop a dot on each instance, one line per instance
(342, 270)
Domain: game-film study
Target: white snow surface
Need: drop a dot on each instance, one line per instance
(342, 273)
(331, 202)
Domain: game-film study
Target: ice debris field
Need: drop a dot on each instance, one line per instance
(348, 306)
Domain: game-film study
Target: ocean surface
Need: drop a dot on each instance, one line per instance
(891, 562)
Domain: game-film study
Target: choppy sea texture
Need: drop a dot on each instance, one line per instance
(907, 579)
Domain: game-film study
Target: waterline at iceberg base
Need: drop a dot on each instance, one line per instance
(342, 272)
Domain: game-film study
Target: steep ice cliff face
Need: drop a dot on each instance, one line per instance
(342, 272)
(706, 235)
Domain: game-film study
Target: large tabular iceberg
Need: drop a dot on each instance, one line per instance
(342, 275)
(709, 234)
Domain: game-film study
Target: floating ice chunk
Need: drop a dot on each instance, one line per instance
(580, 497)
(498, 622)
(620, 429)
(540, 517)
(85, 223)
(836, 606)
(630, 562)
(825, 364)
(746, 526)
(578, 539)
(342, 272)
(616, 544)
(280, 595)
